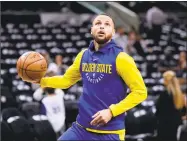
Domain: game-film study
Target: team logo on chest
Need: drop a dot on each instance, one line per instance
(96, 72)
(93, 78)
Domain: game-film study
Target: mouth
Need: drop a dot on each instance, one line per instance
(101, 33)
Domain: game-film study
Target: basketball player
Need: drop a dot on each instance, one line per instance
(106, 72)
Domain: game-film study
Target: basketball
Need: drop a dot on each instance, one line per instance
(31, 66)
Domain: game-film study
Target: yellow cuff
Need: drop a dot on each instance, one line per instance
(42, 83)
(112, 108)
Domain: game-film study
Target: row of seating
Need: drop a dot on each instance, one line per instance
(29, 114)
(15, 127)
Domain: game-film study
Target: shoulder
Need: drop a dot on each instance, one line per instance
(122, 56)
(116, 49)
(80, 54)
(82, 51)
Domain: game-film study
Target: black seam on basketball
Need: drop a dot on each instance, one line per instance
(24, 63)
(33, 63)
(34, 70)
(28, 75)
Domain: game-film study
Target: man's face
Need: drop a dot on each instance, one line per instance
(121, 30)
(58, 59)
(102, 29)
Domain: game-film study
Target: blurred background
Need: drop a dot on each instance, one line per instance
(153, 33)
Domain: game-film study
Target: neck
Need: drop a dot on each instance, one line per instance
(98, 46)
(51, 94)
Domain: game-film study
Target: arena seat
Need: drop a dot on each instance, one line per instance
(7, 100)
(6, 132)
(140, 121)
(30, 109)
(10, 112)
(43, 130)
(21, 129)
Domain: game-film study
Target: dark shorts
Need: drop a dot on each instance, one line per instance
(75, 132)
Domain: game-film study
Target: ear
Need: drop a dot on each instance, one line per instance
(113, 32)
(91, 31)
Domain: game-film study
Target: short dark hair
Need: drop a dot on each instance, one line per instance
(49, 90)
(104, 15)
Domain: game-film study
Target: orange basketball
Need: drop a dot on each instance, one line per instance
(31, 66)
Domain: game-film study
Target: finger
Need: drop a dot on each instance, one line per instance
(100, 124)
(34, 82)
(96, 115)
(99, 121)
(95, 120)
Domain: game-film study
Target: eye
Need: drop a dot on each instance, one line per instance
(107, 24)
(97, 23)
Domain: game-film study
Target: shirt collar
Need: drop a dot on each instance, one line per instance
(104, 49)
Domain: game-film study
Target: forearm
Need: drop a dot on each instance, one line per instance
(71, 76)
(178, 101)
(178, 98)
(57, 82)
(177, 94)
(132, 100)
(38, 94)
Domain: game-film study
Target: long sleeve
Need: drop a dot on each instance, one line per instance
(38, 94)
(71, 76)
(127, 69)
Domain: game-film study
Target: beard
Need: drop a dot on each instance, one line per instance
(101, 41)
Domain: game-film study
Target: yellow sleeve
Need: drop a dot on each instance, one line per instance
(127, 69)
(71, 76)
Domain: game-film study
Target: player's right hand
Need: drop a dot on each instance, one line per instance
(36, 82)
(101, 117)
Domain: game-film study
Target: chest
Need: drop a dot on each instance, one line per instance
(97, 67)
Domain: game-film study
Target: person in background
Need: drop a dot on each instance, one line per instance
(135, 44)
(52, 105)
(155, 18)
(120, 38)
(59, 62)
(52, 67)
(169, 106)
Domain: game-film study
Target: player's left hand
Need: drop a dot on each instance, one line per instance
(101, 117)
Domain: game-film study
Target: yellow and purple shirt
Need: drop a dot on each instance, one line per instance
(106, 75)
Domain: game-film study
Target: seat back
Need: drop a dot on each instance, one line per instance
(10, 112)
(30, 109)
(42, 128)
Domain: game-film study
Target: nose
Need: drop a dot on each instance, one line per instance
(102, 26)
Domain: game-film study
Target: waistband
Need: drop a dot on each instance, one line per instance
(101, 131)
(80, 125)
(121, 133)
